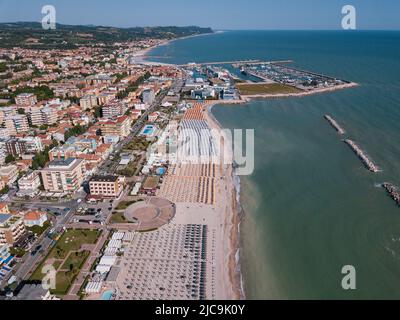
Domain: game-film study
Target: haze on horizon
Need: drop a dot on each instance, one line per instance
(220, 15)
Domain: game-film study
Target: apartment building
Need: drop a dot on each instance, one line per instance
(63, 176)
(9, 174)
(12, 229)
(26, 99)
(88, 102)
(43, 116)
(114, 109)
(29, 184)
(119, 127)
(17, 124)
(6, 112)
(27, 145)
(106, 186)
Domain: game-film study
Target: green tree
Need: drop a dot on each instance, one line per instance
(10, 158)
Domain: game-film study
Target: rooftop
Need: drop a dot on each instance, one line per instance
(104, 178)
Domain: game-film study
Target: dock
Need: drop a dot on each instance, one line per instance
(334, 124)
(362, 156)
(392, 191)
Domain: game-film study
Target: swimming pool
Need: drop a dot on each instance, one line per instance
(107, 295)
(148, 130)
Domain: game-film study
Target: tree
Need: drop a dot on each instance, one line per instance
(5, 190)
(21, 111)
(10, 158)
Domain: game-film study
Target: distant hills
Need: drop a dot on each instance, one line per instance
(31, 35)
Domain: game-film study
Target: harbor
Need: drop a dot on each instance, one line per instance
(334, 124)
(392, 191)
(362, 156)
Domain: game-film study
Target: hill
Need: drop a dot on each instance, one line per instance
(31, 35)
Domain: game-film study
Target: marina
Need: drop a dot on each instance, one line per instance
(334, 124)
(362, 156)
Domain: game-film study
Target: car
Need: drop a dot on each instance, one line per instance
(99, 210)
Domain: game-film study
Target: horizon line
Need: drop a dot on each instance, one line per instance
(214, 29)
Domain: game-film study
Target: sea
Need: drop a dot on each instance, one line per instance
(310, 206)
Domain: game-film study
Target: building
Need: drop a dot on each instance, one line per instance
(4, 208)
(106, 186)
(17, 124)
(63, 176)
(12, 229)
(114, 109)
(88, 102)
(148, 96)
(20, 146)
(5, 261)
(43, 116)
(119, 127)
(29, 184)
(153, 117)
(35, 218)
(9, 174)
(34, 292)
(6, 112)
(26, 99)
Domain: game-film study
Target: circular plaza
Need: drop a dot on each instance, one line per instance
(151, 213)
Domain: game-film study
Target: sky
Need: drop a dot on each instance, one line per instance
(218, 14)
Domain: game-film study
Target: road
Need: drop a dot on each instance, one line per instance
(29, 263)
(110, 165)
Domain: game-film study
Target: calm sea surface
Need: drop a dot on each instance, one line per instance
(311, 207)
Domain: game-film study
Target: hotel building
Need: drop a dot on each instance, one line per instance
(63, 176)
(119, 127)
(106, 186)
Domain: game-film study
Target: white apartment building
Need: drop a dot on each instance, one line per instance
(43, 116)
(29, 184)
(63, 176)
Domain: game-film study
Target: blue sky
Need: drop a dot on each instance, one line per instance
(218, 14)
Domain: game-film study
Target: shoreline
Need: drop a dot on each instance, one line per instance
(142, 55)
(233, 220)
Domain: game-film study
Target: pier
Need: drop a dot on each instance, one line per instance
(393, 192)
(334, 124)
(362, 156)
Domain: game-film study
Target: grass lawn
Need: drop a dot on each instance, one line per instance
(125, 204)
(247, 89)
(75, 260)
(67, 249)
(72, 241)
(118, 217)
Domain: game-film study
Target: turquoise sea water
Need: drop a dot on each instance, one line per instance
(311, 207)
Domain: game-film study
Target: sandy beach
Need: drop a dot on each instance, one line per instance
(232, 219)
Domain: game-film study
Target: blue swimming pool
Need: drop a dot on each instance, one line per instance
(148, 130)
(107, 295)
